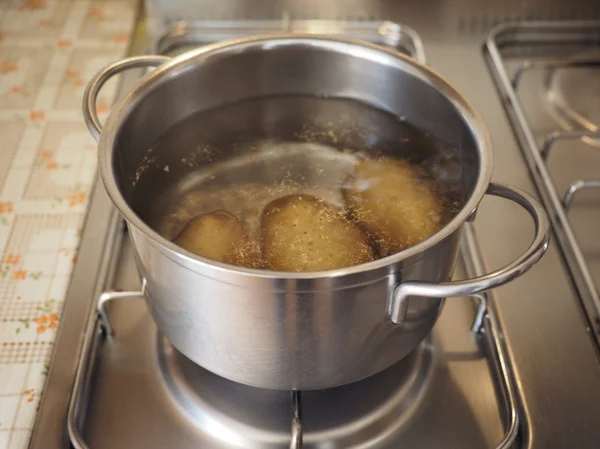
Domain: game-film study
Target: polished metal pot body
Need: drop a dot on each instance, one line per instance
(284, 330)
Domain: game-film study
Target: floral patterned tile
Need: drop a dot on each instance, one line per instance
(22, 71)
(107, 21)
(11, 138)
(59, 163)
(82, 66)
(35, 18)
(49, 49)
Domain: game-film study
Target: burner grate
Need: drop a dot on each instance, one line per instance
(183, 36)
(485, 326)
(535, 41)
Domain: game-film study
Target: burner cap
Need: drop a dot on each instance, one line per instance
(353, 415)
(574, 95)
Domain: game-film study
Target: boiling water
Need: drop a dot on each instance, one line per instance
(242, 156)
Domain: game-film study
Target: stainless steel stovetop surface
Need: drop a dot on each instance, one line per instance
(553, 355)
(145, 394)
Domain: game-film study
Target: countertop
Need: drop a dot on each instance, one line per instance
(48, 51)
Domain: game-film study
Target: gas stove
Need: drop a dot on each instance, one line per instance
(516, 367)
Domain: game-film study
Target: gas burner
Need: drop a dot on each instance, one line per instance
(133, 382)
(355, 415)
(576, 108)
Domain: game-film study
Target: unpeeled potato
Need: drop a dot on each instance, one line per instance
(219, 236)
(394, 202)
(303, 233)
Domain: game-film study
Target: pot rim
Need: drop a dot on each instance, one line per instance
(374, 52)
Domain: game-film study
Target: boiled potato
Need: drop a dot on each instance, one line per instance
(303, 233)
(394, 202)
(219, 236)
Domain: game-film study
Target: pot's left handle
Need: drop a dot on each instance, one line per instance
(398, 304)
(93, 88)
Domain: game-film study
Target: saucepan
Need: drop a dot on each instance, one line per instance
(276, 329)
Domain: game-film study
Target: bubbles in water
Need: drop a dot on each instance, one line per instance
(380, 175)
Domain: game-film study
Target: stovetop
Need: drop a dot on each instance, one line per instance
(517, 367)
(540, 75)
(138, 391)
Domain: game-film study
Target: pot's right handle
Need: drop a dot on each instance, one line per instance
(93, 88)
(398, 304)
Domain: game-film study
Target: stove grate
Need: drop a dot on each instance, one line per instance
(529, 38)
(485, 326)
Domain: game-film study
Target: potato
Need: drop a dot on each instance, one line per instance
(303, 233)
(394, 202)
(219, 236)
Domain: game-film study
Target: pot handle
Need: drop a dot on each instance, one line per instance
(398, 304)
(93, 88)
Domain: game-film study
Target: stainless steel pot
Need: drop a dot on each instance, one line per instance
(284, 330)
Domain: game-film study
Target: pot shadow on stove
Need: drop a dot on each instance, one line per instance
(434, 413)
(415, 403)
(446, 419)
